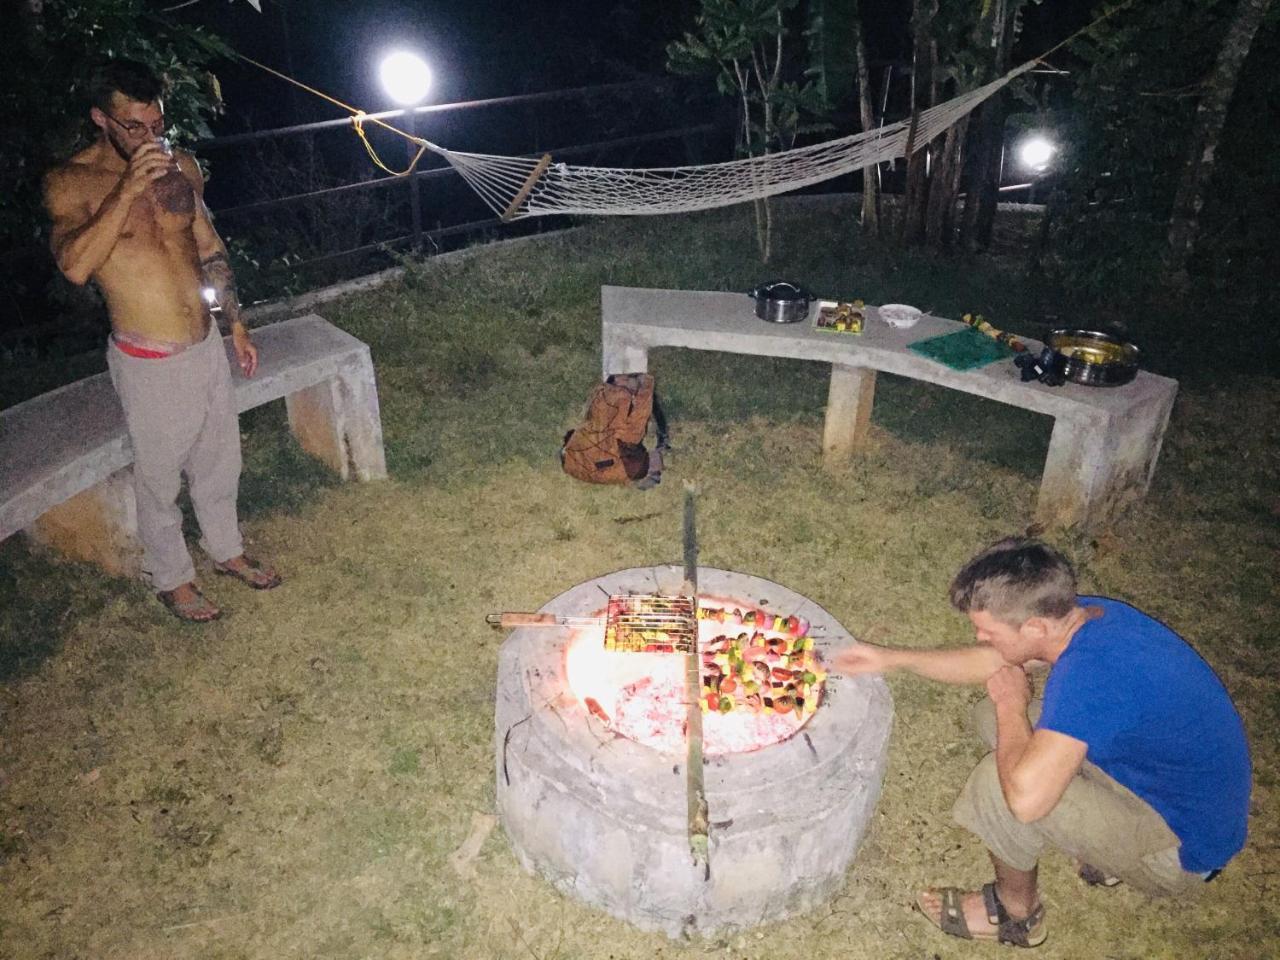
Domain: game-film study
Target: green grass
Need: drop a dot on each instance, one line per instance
(291, 781)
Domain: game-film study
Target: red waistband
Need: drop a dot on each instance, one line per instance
(140, 352)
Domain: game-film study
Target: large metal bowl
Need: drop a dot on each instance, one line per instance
(1090, 357)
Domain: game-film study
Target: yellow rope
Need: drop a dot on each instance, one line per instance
(358, 120)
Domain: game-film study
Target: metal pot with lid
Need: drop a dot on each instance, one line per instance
(781, 301)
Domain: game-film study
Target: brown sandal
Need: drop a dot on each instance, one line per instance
(1095, 877)
(196, 610)
(252, 573)
(1027, 932)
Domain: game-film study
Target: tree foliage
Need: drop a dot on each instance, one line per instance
(743, 44)
(43, 86)
(1125, 140)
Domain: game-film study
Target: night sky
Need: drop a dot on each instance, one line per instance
(491, 48)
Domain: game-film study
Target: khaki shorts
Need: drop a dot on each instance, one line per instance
(1098, 821)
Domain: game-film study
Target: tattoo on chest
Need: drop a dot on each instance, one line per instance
(173, 193)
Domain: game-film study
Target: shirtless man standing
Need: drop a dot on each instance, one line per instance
(128, 213)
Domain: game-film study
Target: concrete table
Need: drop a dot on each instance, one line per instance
(66, 475)
(1105, 440)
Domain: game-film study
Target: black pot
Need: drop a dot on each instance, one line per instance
(1089, 357)
(781, 301)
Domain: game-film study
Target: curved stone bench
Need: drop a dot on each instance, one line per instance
(1104, 444)
(66, 475)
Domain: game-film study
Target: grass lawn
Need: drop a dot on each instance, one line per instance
(291, 780)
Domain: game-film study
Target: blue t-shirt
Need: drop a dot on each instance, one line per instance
(1157, 719)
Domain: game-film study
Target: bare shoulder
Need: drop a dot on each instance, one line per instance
(191, 169)
(77, 180)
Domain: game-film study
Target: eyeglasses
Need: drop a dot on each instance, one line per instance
(135, 128)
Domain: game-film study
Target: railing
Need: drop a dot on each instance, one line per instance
(234, 216)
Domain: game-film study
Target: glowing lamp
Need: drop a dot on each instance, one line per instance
(405, 77)
(1035, 153)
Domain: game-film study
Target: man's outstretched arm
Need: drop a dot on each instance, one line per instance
(960, 665)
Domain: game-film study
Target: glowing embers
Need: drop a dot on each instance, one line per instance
(645, 623)
(641, 695)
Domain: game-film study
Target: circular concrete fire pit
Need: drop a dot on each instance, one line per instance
(604, 818)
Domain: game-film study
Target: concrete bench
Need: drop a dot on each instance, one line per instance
(1105, 440)
(66, 475)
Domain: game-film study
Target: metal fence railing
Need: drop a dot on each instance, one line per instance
(399, 199)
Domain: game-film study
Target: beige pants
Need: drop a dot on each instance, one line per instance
(181, 415)
(1098, 821)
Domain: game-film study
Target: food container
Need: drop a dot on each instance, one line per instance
(1089, 357)
(899, 315)
(781, 301)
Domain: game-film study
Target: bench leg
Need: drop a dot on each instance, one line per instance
(621, 356)
(849, 400)
(338, 422)
(1095, 470)
(98, 525)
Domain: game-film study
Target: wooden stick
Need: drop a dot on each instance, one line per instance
(508, 621)
(523, 193)
(699, 840)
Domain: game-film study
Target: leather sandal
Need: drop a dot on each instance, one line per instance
(196, 610)
(1095, 877)
(251, 573)
(1028, 931)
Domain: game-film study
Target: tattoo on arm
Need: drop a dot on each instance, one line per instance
(218, 276)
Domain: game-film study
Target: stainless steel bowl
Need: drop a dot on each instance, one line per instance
(1092, 358)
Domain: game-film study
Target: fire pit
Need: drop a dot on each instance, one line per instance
(590, 753)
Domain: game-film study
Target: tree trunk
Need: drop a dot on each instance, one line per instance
(870, 175)
(942, 189)
(1211, 114)
(914, 204)
(982, 191)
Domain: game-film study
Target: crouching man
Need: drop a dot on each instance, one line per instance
(128, 213)
(1134, 763)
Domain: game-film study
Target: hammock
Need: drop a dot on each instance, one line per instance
(519, 187)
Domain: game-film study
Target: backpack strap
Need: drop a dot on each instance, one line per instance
(660, 424)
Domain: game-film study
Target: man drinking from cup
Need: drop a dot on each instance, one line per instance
(128, 213)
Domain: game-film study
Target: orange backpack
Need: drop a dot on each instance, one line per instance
(608, 446)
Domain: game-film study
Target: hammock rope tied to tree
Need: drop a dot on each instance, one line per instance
(518, 187)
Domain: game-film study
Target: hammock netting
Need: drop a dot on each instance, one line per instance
(519, 187)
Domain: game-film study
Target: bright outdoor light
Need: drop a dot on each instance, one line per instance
(405, 77)
(210, 295)
(1034, 153)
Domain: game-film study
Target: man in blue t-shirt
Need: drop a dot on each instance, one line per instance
(1136, 765)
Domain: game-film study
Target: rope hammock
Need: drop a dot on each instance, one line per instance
(519, 187)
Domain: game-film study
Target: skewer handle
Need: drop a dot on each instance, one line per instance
(509, 621)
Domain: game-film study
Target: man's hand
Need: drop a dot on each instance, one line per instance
(863, 658)
(1009, 686)
(149, 163)
(246, 352)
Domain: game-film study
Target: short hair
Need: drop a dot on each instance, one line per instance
(134, 80)
(1014, 580)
